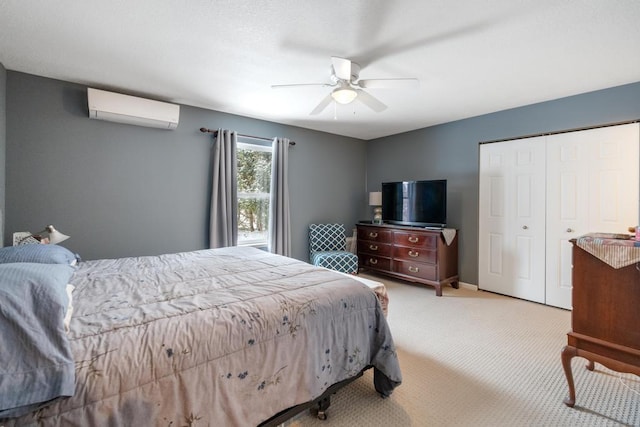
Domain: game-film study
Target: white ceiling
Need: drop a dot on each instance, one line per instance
(471, 56)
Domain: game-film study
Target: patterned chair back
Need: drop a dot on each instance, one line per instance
(327, 248)
(327, 237)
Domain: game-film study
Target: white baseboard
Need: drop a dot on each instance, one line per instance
(468, 286)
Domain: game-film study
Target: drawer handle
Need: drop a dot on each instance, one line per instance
(413, 239)
(414, 254)
(413, 269)
(373, 234)
(373, 261)
(373, 247)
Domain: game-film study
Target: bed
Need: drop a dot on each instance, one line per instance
(230, 336)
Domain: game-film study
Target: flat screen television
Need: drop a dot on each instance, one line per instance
(417, 203)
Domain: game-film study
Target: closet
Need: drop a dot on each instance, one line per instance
(537, 193)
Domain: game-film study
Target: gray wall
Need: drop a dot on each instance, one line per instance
(122, 190)
(450, 151)
(3, 144)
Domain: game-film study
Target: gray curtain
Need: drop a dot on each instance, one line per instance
(279, 219)
(223, 219)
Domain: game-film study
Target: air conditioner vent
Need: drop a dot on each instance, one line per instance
(116, 107)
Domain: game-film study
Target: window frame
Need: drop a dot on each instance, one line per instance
(254, 144)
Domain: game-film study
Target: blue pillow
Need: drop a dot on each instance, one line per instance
(42, 254)
(36, 359)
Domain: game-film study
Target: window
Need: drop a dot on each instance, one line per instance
(254, 191)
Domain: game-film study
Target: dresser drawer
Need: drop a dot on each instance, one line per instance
(415, 254)
(416, 269)
(374, 248)
(416, 240)
(374, 234)
(372, 261)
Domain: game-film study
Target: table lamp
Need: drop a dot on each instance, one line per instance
(375, 200)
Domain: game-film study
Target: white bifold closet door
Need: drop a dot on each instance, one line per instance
(583, 181)
(512, 220)
(592, 186)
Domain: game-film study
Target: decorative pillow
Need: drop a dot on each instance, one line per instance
(42, 254)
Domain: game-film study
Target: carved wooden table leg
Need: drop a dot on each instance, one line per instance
(568, 353)
(438, 290)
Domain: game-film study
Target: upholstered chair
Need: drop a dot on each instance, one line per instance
(328, 248)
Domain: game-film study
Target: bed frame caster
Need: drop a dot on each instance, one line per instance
(320, 410)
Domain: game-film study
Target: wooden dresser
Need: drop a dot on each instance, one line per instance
(415, 254)
(605, 321)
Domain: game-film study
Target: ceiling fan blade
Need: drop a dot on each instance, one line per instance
(342, 68)
(370, 101)
(300, 85)
(322, 105)
(389, 83)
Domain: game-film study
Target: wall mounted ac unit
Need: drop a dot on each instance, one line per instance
(116, 107)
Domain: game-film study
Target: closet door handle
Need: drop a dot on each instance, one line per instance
(373, 247)
(414, 254)
(413, 239)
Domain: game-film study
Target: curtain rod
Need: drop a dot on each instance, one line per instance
(605, 125)
(215, 132)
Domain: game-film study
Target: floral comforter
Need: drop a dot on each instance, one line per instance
(222, 337)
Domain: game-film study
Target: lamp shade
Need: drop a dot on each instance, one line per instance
(55, 236)
(375, 198)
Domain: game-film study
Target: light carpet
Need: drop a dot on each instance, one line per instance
(473, 358)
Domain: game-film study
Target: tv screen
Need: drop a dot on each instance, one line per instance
(420, 203)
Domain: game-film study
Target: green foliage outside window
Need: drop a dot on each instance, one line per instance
(254, 186)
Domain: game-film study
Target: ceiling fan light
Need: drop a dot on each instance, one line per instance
(344, 95)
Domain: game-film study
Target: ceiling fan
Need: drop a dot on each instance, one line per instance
(347, 87)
